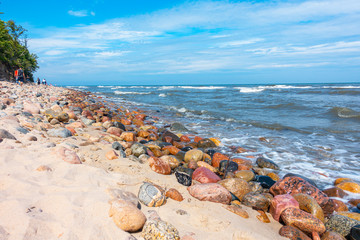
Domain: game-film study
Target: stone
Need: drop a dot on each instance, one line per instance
(353, 215)
(335, 192)
(302, 220)
(173, 136)
(265, 181)
(354, 201)
(54, 121)
(217, 158)
(117, 146)
(340, 180)
(293, 233)
(119, 194)
(159, 166)
(193, 155)
(171, 160)
(63, 117)
(227, 166)
(114, 131)
(212, 192)
(206, 165)
(273, 176)
(151, 195)
(59, 132)
(206, 143)
(22, 130)
(266, 163)
(341, 224)
(68, 155)
(237, 186)
(237, 210)
(172, 149)
(262, 217)
(330, 235)
(256, 187)
(44, 168)
(246, 175)
(126, 216)
(178, 127)
(355, 233)
(279, 203)
(184, 175)
(349, 186)
(302, 177)
(111, 155)
(308, 204)
(5, 134)
(137, 149)
(157, 229)
(256, 201)
(204, 175)
(174, 195)
(340, 206)
(128, 136)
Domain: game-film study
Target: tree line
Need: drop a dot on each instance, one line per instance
(14, 52)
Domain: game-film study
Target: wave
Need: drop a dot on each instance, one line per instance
(166, 87)
(250, 89)
(202, 87)
(134, 93)
(162, 95)
(342, 87)
(262, 88)
(82, 87)
(344, 112)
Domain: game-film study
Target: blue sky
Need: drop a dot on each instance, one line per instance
(171, 42)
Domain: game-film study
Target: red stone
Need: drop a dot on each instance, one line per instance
(174, 194)
(335, 192)
(217, 158)
(279, 203)
(184, 138)
(293, 233)
(172, 150)
(197, 139)
(212, 192)
(340, 206)
(159, 166)
(115, 131)
(204, 175)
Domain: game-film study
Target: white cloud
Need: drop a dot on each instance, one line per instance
(240, 42)
(289, 65)
(81, 13)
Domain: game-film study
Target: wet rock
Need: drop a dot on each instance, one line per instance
(265, 181)
(5, 134)
(126, 216)
(137, 149)
(193, 155)
(178, 127)
(256, 201)
(204, 175)
(68, 155)
(246, 175)
(237, 186)
(355, 233)
(302, 220)
(212, 192)
(340, 206)
(335, 192)
(217, 158)
(273, 176)
(59, 132)
(151, 195)
(172, 149)
(167, 133)
(227, 166)
(256, 187)
(354, 202)
(128, 136)
(174, 194)
(156, 229)
(341, 224)
(119, 125)
(173, 161)
(340, 180)
(329, 235)
(266, 163)
(293, 233)
(237, 210)
(352, 215)
(184, 175)
(206, 165)
(159, 166)
(206, 143)
(279, 203)
(308, 204)
(349, 186)
(302, 177)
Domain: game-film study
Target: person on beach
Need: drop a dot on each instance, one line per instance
(38, 81)
(19, 76)
(44, 81)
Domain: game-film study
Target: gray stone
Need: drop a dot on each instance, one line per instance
(6, 134)
(341, 224)
(151, 195)
(137, 149)
(87, 121)
(22, 130)
(178, 127)
(59, 132)
(117, 146)
(266, 163)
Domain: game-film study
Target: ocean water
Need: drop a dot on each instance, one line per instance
(310, 129)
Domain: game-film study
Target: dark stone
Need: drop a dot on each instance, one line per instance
(26, 114)
(206, 143)
(22, 130)
(180, 155)
(119, 125)
(167, 133)
(265, 181)
(162, 144)
(355, 233)
(2, 106)
(185, 149)
(117, 146)
(358, 206)
(178, 127)
(38, 94)
(184, 175)
(256, 201)
(143, 141)
(6, 134)
(122, 153)
(234, 197)
(211, 152)
(335, 192)
(341, 224)
(300, 176)
(76, 110)
(228, 166)
(266, 163)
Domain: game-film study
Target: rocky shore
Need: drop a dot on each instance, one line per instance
(75, 166)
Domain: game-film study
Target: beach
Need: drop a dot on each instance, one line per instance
(72, 161)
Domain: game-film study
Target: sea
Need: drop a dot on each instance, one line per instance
(307, 129)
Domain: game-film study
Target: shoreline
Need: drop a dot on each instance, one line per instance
(52, 198)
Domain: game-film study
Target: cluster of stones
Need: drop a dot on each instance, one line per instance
(206, 169)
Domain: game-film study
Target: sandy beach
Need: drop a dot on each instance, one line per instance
(60, 176)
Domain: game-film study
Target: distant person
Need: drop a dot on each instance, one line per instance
(38, 81)
(44, 81)
(19, 76)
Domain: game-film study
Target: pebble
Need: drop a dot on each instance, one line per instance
(265, 181)
(279, 203)
(227, 166)
(174, 195)
(349, 186)
(246, 175)
(193, 155)
(237, 210)
(204, 175)
(138, 149)
(217, 158)
(262, 217)
(353, 215)
(237, 186)
(212, 192)
(151, 195)
(341, 224)
(335, 192)
(119, 194)
(68, 155)
(5, 134)
(293, 233)
(157, 229)
(111, 155)
(330, 235)
(59, 132)
(266, 163)
(159, 166)
(256, 201)
(184, 175)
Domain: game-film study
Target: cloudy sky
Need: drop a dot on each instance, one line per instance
(191, 42)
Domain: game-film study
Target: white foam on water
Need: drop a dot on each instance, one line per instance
(135, 93)
(162, 95)
(82, 87)
(342, 87)
(250, 89)
(166, 87)
(202, 87)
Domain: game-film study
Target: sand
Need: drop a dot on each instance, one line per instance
(44, 197)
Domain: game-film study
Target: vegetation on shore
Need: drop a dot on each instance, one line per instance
(14, 52)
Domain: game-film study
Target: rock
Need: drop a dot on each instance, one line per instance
(114, 131)
(273, 176)
(63, 117)
(349, 186)
(302, 220)
(308, 204)
(128, 136)
(137, 149)
(126, 216)
(193, 155)
(117, 146)
(151, 195)
(22, 130)
(160, 166)
(171, 160)
(340, 180)
(5, 134)
(159, 230)
(237, 186)
(256, 187)
(31, 107)
(354, 202)
(237, 210)
(54, 121)
(263, 217)
(302, 177)
(111, 155)
(87, 122)
(256, 201)
(59, 132)
(329, 235)
(265, 181)
(178, 127)
(355, 233)
(174, 194)
(119, 194)
(227, 166)
(204, 175)
(341, 224)
(32, 138)
(266, 163)
(172, 149)
(184, 175)
(44, 168)
(352, 215)
(212, 192)
(217, 158)
(246, 175)
(173, 136)
(335, 192)
(293, 233)
(279, 203)
(68, 155)
(206, 143)
(206, 165)
(340, 206)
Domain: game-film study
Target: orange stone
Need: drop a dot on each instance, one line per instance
(216, 141)
(339, 206)
(143, 134)
(178, 145)
(172, 149)
(273, 176)
(243, 167)
(159, 166)
(174, 195)
(340, 180)
(349, 186)
(125, 121)
(217, 158)
(128, 136)
(352, 215)
(111, 155)
(237, 210)
(263, 217)
(184, 138)
(197, 139)
(240, 150)
(138, 122)
(73, 132)
(242, 161)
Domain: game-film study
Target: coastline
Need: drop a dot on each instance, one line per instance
(46, 196)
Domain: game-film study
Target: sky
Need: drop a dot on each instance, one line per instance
(173, 42)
